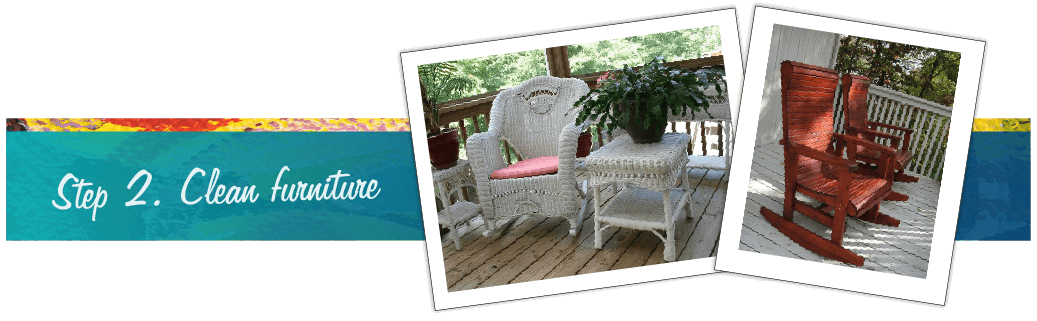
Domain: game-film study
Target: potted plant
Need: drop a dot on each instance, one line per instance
(639, 99)
(439, 81)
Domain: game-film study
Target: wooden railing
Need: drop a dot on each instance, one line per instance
(472, 115)
(930, 122)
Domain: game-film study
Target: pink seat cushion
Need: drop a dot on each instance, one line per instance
(528, 168)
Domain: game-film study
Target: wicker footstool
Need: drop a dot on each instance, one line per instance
(651, 172)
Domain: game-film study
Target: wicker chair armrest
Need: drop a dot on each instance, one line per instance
(567, 143)
(484, 154)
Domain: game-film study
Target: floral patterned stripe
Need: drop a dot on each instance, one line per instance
(207, 124)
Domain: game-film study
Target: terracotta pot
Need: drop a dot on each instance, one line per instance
(638, 133)
(583, 145)
(443, 149)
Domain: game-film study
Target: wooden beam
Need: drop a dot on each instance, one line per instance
(704, 152)
(459, 114)
(601, 138)
(558, 62)
(720, 138)
(507, 153)
(691, 143)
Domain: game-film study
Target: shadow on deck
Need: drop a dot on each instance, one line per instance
(535, 248)
(902, 250)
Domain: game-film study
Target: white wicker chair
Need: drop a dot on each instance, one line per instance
(537, 119)
(719, 112)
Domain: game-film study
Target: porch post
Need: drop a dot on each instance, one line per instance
(558, 62)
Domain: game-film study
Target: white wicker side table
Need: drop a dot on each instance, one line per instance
(651, 172)
(453, 180)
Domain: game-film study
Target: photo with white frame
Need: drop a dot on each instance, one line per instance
(725, 18)
(932, 287)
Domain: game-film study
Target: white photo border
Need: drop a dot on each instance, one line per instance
(933, 288)
(442, 299)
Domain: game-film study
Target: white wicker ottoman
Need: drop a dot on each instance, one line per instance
(653, 171)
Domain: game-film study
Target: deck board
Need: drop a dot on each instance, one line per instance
(902, 250)
(534, 248)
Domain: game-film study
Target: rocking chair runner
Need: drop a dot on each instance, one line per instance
(855, 107)
(815, 169)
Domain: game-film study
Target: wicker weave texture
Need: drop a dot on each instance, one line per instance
(535, 118)
(653, 166)
(638, 208)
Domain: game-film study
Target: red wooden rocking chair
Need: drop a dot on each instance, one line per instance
(855, 107)
(815, 169)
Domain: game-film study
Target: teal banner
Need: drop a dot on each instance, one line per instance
(995, 196)
(212, 186)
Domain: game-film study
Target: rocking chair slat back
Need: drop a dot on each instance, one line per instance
(807, 96)
(855, 105)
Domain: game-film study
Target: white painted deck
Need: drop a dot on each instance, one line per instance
(534, 248)
(902, 250)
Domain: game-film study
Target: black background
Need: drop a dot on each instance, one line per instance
(345, 62)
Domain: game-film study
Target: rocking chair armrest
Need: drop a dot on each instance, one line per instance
(821, 156)
(906, 130)
(888, 151)
(896, 139)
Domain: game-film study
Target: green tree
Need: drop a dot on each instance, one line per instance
(936, 79)
(931, 74)
(440, 81)
(614, 53)
(503, 71)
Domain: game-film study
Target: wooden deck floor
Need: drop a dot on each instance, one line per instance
(535, 248)
(902, 250)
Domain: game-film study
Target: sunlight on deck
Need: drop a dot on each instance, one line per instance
(902, 250)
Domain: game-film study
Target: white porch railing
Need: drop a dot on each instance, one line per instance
(929, 120)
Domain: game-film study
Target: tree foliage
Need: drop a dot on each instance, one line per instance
(440, 81)
(615, 53)
(508, 70)
(923, 72)
(501, 71)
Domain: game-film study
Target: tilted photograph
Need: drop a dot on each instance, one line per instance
(544, 180)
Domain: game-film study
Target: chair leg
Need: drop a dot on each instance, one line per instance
(874, 216)
(790, 199)
(899, 176)
(574, 226)
(597, 224)
(686, 186)
(457, 237)
(669, 247)
(838, 225)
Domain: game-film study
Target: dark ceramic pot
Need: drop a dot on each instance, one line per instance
(583, 145)
(638, 133)
(443, 149)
